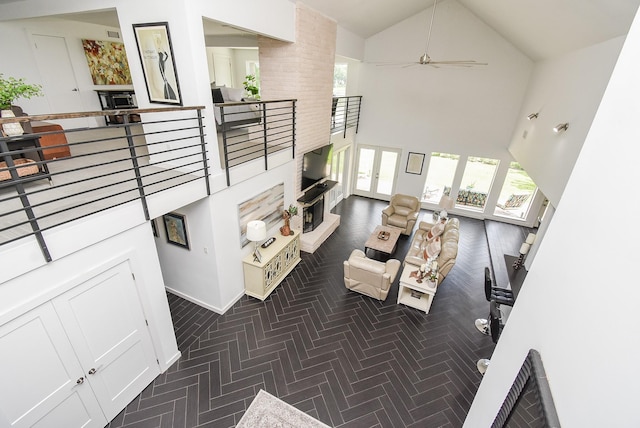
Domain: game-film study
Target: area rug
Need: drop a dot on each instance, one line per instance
(268, 411)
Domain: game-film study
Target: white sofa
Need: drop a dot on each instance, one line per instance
(448, 246)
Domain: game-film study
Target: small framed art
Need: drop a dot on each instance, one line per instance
(176, 228)
(414, 163)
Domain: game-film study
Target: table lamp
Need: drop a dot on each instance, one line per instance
(446, 203)
(256, 231)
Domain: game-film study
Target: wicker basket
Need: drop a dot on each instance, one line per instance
(30, 167)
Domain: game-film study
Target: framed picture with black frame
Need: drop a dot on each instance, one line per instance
(158, 62)
(175, 226)
(414, 163)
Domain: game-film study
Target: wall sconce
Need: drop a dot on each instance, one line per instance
(560, 127)
(532, 116)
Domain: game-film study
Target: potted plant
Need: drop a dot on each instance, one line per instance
(10, 90)
(250, 86)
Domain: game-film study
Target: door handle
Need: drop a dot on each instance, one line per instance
(74, 90)
(80, 381)
(92, 371)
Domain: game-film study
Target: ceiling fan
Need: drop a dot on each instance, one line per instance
(425, 59)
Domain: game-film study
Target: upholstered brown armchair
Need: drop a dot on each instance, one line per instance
(368, 276)
(401, 212)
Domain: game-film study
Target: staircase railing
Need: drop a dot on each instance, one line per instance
(251, 130)
(345, 113)
(60, 175)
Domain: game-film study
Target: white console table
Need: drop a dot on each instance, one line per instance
(415, 294)
(278, 259)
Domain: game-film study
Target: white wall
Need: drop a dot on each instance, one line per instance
(424, 109)
(349, 45)
(564, 89)
(50, 280)
(21, 48)
(240, 58)
(578, 305)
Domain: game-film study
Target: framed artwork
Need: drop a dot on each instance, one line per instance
(266, 206)
(107, 62)
(414, 163)
(176, 228)
(158, 62)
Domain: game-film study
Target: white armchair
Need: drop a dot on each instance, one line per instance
(368, 276)
(402, 212)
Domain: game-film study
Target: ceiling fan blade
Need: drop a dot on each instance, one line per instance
(460, 63)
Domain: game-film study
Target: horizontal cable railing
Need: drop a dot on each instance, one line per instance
(252, 130)
(345, 113)
(53, 176)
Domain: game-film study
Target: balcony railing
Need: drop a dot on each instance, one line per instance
(54, 177)
(252, 130)
(345, 113)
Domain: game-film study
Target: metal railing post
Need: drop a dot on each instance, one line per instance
(224, 145)
(24, 199)
(293, 144)
(346, 113)
(264, 135)
(136, 166)
(204, 153)
(358, 118)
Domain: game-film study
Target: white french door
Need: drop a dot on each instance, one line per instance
(376, 171)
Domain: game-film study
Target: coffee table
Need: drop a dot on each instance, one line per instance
(387, 245)
(415, 294)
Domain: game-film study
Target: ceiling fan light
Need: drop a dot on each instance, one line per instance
(560, 127)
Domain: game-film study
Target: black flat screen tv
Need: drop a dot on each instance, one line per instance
(316, 166)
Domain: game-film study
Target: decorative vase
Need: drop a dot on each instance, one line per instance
(286, 229)
(11, 129)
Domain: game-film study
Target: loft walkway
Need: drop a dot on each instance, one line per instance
(54, 177)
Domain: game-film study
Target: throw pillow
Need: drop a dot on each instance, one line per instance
(217, 96)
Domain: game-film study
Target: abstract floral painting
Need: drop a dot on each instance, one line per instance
(107, 62)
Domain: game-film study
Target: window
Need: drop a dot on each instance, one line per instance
(442, 168)
(340, 80)
(476, 182)
(516, 194)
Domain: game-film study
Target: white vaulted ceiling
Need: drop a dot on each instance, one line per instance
(539, 29)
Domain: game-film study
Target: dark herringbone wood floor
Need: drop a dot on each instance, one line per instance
(343, 358)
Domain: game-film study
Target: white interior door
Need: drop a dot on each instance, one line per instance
(223, 69)
(104, 320)
(41, 381)
(59, 81)
(376, 171)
